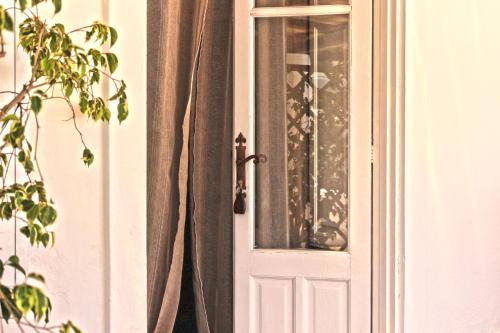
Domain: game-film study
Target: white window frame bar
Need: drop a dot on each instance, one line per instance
(277, 12)
(388, 167)
(312, 10)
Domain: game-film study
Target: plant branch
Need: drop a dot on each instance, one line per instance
(31, 85)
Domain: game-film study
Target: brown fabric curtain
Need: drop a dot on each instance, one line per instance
(189, 137)
(212, 207)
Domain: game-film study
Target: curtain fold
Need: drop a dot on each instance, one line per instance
(212, 212)
(190, 135)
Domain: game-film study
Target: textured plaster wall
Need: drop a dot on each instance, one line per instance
(96, 273)
(452, 166)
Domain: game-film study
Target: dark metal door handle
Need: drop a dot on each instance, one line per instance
(241, 161)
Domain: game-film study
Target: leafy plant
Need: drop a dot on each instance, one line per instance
(63, 70)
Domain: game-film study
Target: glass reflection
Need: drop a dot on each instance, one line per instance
(302, 125)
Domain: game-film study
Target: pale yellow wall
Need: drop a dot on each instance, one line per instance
(127, 165)
(452, 166)
(97, 271)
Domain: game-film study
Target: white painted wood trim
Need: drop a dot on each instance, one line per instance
(353, 269)
(388, 215)
(360, 121)
(300, 11)
(243, 88)
(400, 166)
(127, 170)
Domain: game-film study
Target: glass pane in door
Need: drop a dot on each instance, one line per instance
(302, 125)
(282, 3)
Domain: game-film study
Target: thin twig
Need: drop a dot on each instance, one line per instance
(73, 117)
(82, 29)
(35, 156)
(31, 84)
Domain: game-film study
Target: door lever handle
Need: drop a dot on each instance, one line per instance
(261, 158)
(241, 161)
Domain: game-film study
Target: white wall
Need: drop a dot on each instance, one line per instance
(96, 274)
(127, 170)
(452, 166)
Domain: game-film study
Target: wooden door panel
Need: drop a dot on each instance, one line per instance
(273, 304)
(326, 306)
(288, 280)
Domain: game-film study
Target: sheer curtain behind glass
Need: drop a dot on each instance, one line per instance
(302, 123)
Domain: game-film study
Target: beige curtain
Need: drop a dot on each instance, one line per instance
(189, 138)
(271, 211)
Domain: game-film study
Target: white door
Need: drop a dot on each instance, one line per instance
(302, 231)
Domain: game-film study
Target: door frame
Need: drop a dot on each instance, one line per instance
(388, 260)
(388, 156)
(353, 266)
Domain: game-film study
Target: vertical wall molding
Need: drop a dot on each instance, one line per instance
(106, 231)
(388, 169)
(127, 170)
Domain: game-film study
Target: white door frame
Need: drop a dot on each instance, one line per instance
(388, 166)
(343, 268)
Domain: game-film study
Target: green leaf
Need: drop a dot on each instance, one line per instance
(36, 104)
(23, 4)
(32, 213)
(9, 22)
(68, 89)
(2, 17)
(106, 114)
(37, 277)
(25, 231)
(122, 111)
(66, 43)
(88, 157)
(10, 117)
(1, 269)
(23, 299)
(53, 43)
(44, 238)
(8, 308)
(114, 35)
(41, 93)
(69, 327)
(41, 304)
(13, 262)
(84, 103)
(115, 96)
(24, 157)
(6, 21)
(57, 6)
(47, 215)
(5, 211)
(95, 76)
(60, 27)
(27, 205)
(21, 156)
(47, 64)
(34, 231)
(31, 299)
(112, 62)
